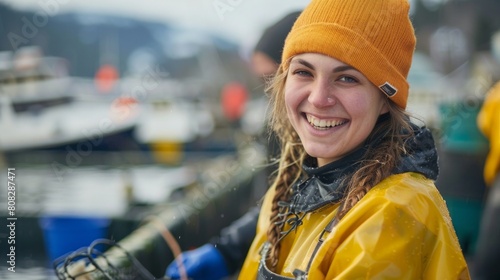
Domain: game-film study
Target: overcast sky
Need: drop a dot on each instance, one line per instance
(242, 20)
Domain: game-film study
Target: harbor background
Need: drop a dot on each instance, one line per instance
(114, 110)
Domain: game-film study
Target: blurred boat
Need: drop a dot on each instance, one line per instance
(172, 119)
(38, 109)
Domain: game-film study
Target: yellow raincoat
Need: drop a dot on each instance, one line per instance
(488, 122)
(401, 229)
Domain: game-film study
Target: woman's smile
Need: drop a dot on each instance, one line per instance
(324, 124)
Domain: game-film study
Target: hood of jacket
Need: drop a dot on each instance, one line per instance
(324, 185)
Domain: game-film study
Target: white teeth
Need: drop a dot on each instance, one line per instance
(323, 124)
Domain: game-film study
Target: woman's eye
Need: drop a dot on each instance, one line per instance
(302, 73)
(348, 79)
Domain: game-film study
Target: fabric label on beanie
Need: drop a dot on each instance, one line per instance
(388, 89)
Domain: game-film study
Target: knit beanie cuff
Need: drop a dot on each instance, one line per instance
(352, 49)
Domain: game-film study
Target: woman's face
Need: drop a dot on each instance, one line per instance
(331, 105)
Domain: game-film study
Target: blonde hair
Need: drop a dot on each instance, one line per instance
(377, 163)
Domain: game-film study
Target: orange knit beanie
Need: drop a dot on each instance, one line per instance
(374, 36)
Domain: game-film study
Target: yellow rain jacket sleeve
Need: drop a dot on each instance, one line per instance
(401, 229)
(488, 122)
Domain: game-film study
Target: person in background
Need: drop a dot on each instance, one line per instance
(354, 197)
(488, 248)
(265, 59)
(225, 254)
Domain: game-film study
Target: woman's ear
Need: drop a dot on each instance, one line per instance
(385, 107)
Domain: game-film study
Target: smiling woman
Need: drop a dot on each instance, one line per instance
(354, 196)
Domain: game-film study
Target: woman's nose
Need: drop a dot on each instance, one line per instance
(321, 95)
